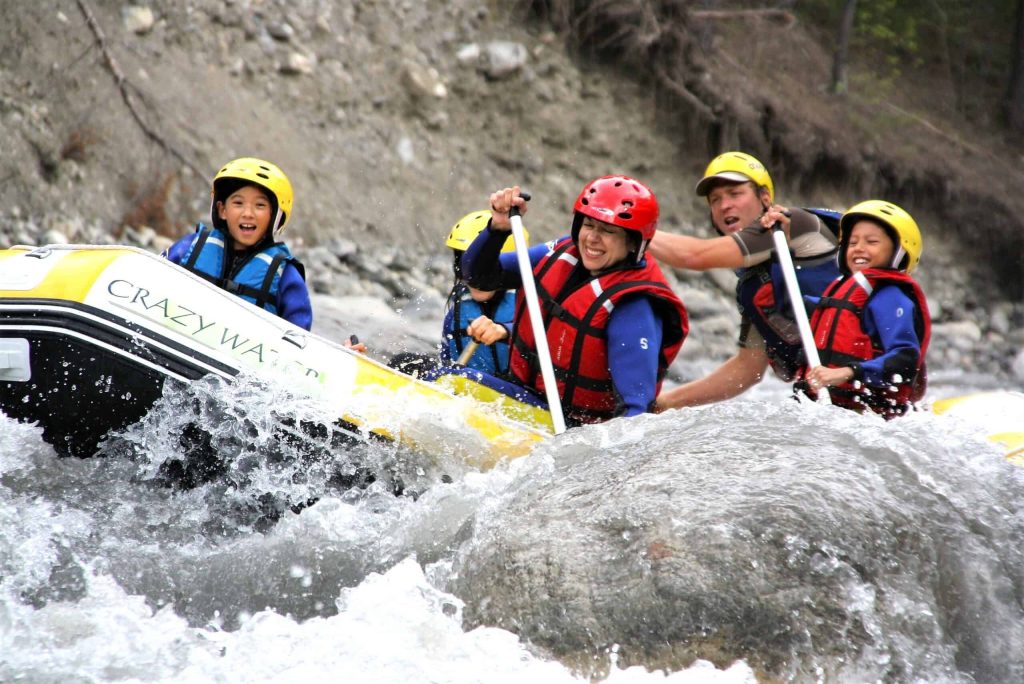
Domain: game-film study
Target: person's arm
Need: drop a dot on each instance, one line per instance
(696, 254)
(482, 265)
(634, 347)
(176, 252)
(742, 371)
(890, 319)
(753, 245)
(486, 268)
(293, 303)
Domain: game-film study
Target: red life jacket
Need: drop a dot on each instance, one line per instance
(762, 298)
(837, 324)
(576, 321)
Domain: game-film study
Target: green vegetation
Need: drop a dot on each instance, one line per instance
(966, 46)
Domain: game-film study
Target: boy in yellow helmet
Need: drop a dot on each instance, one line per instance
(251, 205)
(872, 327)
(741, 199)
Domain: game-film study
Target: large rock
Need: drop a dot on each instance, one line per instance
(694, 534)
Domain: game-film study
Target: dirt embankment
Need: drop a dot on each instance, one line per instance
(395, 118)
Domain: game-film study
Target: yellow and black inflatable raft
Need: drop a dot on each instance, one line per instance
(89, 335)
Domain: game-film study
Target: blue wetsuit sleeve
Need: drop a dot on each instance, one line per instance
(293, 303)
(176, 252)
(889, 318)
(634, 346)
(486, 268)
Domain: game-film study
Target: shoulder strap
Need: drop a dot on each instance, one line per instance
(830, 217)
(203, 234)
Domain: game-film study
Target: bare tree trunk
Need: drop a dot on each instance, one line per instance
(1015, 93)
(839, 85)
(942, 36)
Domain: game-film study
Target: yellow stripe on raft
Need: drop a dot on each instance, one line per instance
(514, 409)
(1014, 443)
(999, 413)
(86, 265)
(501, 438)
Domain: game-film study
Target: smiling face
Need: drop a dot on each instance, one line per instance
(735, 206)
(869, 246)
(601, 244)
(247, 212)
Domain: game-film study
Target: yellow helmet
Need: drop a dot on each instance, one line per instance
(469, 226)
(907, 234)
(737, 167)
(257, 172)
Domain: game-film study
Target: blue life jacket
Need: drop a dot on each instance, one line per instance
(255, 276)
(462, 311)
(762, 297)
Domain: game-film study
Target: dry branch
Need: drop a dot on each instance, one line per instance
(684, 93)
(123, 85)
(786, 17)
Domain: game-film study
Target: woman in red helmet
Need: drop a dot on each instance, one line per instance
(613, 323)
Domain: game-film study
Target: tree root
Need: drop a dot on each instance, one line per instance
(124, 85)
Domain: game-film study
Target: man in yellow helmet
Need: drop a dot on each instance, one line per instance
(872, 327)
(741, 199)
(251, 205)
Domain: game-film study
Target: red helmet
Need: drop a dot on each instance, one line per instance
(621, 201)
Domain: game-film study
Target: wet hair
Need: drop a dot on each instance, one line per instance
(457, 264)
(634, 241)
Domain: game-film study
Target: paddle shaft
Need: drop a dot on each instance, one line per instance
(796, 300)
(467, 353)
(547, 370)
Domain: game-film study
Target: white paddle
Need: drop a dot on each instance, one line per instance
(547, 370)
(797, 302)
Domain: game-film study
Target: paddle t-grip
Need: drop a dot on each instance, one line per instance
(514, 210)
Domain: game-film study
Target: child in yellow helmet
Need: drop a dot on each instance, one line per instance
(490, 311)
(872, 327)
(239, 251)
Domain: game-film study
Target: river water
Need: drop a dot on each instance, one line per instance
(108, 576)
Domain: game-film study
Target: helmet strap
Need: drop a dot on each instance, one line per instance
(898, 256)
(277, 223)
(641, 250)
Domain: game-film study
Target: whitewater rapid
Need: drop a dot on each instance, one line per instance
(108, 577)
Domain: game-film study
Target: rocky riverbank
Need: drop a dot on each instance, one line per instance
(393, 299)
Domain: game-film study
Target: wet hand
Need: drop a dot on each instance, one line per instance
(502, 202)
(354, 344)
(776, 214)
(486, 331)
(820, 376)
